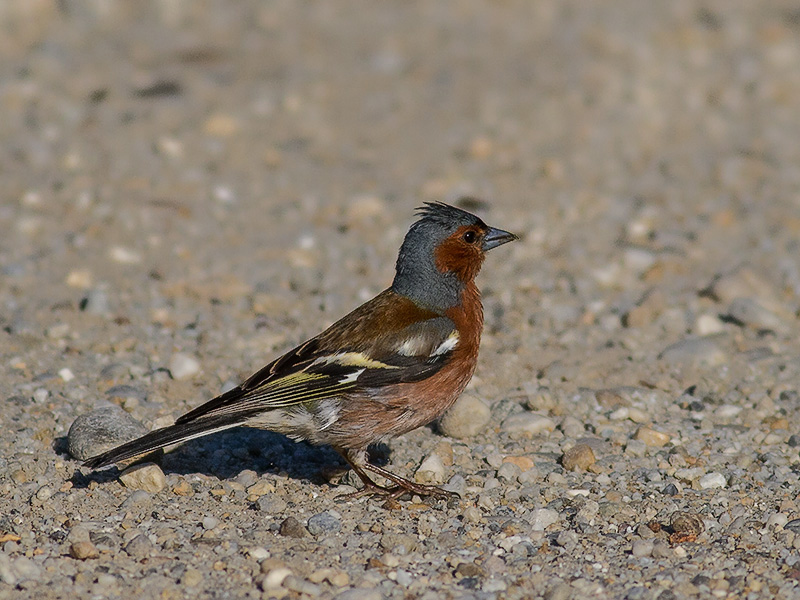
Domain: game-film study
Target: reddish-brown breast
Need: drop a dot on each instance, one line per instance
(401, 408)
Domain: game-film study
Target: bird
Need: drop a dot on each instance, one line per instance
(395, 363)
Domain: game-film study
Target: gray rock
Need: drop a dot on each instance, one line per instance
(467, 417)
(706, 350)
(271, 504)
(749, 312)
(324, 522)
(139, 547)
(101, 430)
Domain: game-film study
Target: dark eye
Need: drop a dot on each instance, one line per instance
(470, 237)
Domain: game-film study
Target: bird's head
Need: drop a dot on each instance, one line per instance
(443, 252)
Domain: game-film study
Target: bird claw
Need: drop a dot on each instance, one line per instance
(398, 491)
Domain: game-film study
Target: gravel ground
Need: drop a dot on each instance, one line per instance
(189, 189)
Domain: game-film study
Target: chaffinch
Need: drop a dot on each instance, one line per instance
(394, 364)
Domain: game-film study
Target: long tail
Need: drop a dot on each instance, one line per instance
(180, 432)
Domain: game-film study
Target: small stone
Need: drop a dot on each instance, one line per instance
(470, 569)
(79, 278)
(508, 471)
(794, 440)
(579, 457)
(274, 578)
(182, 488)
(642, 548)
(183, 366)
(777, 521)
(559, 591)
(727, 411)
(671, 490)
(525, 463)
(651, 437)
(271, 504)
(712, 481)
(100, 430)
(541, 518)
(145, 476)
(261, 488)
(96, 302)
(635, 448)
(472, 515)
(706, 350)
(687, 522)
(83, 550)
(125, 394)
(258, 553)
(191, 577)
(430, 471)
(750, 313)
(324, 522)
(467, 417)
(708, 325)
(360, 594)
(457, 484)
(210, 522)
(528, 423)
(292, 528)
(139, 547)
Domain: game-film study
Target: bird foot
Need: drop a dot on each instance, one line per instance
(395, 492)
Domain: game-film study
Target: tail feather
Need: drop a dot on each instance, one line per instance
(180, 432)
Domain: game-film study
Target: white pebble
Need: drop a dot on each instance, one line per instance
(431, 470)
(528, 422)
(66, 375)
(541, 518)
(711, 481)
(146, 476)
(126, 256)
(275, 578)
(183, 366)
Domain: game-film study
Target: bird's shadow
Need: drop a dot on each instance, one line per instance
(226, 454)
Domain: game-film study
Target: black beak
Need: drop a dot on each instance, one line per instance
(497, 237)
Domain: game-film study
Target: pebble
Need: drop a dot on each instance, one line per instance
(712, 481)
(139, 547)
(145, 476)
(542, 518)
(705, 350)
(360, 594)
(431, 471)
(525, 463)
(191, 577)
(183, 366)
(529, 423)
(651, 437)
(642, 548)
(578, 458)
(83, 550)
(291, 527)
(750, 313)
(100, 430)
(274, 578)
(210, 522)
(324, 522)
(270, 503)
(467, 417)
(508, 471)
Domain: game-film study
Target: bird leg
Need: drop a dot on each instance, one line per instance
(358, 461)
